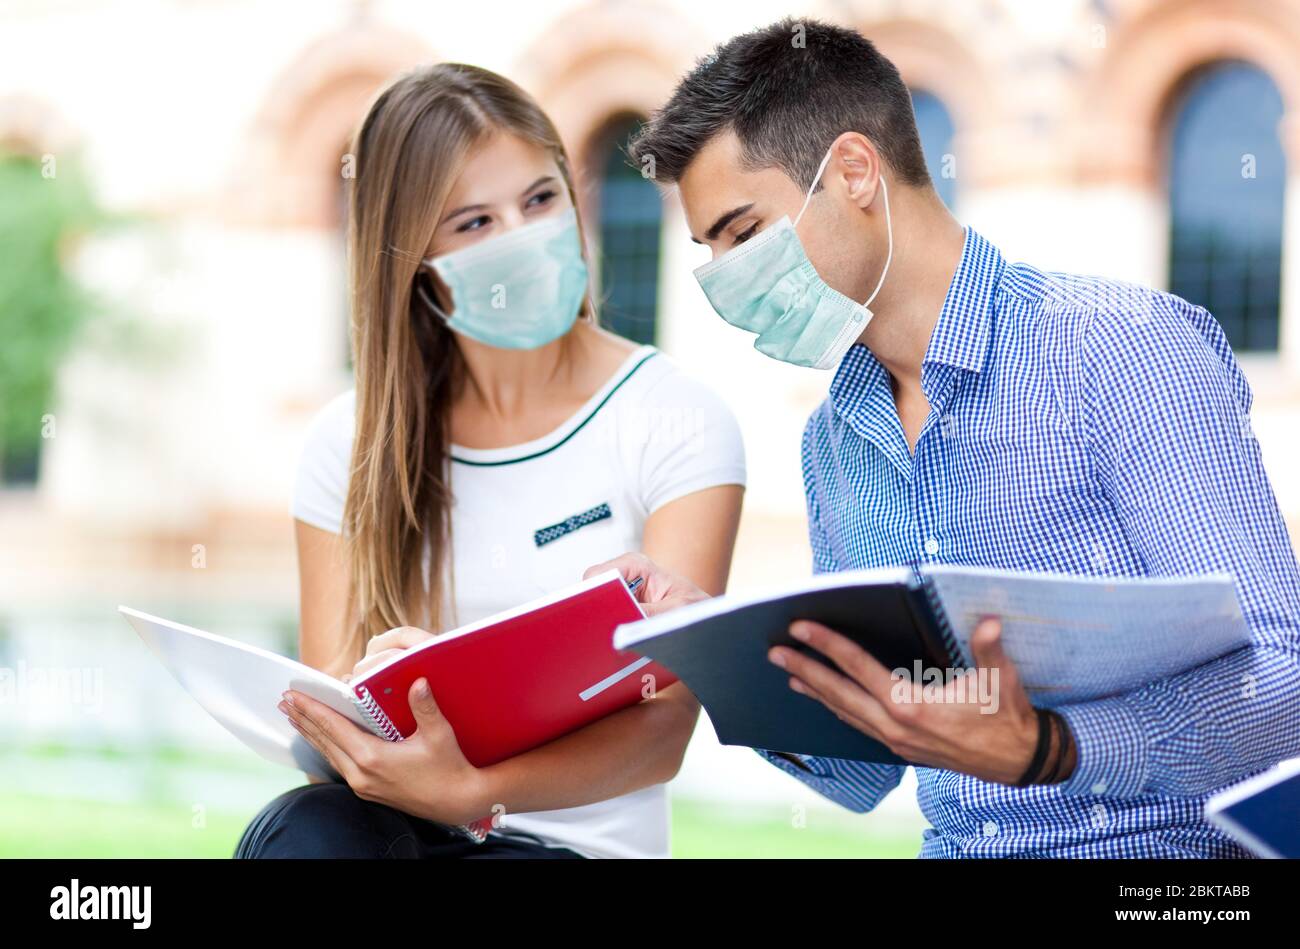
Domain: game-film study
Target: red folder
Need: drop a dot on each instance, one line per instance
(522, 678)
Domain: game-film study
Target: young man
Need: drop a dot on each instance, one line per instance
(986, 413)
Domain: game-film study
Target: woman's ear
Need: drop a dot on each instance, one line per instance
(859, 165)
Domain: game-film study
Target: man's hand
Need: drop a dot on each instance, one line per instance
(661, 591)
(944, 732)
(426, 775)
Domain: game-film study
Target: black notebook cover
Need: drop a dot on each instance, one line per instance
(723, 660)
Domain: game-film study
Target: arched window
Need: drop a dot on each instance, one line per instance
(1227, 178)
(631, 211)
(934, 122)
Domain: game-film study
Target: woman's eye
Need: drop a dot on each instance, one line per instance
(539, 199)
(473, 224)
(748, 233)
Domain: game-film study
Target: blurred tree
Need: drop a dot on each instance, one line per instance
(44, 208)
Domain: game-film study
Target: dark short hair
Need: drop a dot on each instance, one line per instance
(787, 102)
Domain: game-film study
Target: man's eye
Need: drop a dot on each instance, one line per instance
(748, 233)
(539, 199)
(473, 224)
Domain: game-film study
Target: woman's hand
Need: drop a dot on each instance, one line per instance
(426, 775)
(385, 646)
(660, 592)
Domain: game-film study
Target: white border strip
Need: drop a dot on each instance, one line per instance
(592, 691)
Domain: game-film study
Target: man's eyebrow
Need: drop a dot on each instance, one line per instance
(713, 232)
(483, 207)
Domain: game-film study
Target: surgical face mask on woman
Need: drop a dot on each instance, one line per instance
(519, 290)
(768, 286)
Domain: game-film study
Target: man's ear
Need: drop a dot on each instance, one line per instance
(858, 164)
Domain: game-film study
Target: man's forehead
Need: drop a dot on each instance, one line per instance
(718, 181)
(718, 162)
(715, 181)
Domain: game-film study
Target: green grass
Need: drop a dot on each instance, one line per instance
(711, 830)
(32, 826)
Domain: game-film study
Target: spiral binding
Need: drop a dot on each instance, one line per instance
(377, 716)
(476, 831)
(941, 620)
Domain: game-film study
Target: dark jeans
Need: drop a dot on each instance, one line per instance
(329, 820)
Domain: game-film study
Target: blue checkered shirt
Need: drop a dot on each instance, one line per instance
(1083, 426)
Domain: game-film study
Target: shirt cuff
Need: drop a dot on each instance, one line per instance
(813, 768)
(1112, 750)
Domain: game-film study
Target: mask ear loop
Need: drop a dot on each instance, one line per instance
(816, 178)
(889, 254)
(889, 224)
(428, 300)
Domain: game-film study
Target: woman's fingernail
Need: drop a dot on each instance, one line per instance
(288, 697)
(283, 708)
(799, 632)
(777, 658)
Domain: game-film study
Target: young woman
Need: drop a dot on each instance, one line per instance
(497, 444)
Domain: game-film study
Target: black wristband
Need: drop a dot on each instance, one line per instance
(1040, 750)
(1052, 763)
(1064, 739)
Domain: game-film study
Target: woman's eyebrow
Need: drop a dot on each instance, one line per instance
(463, 210)
(540, 181)
(483, 207)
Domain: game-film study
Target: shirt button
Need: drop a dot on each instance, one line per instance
(931, 546)
(1099, 787)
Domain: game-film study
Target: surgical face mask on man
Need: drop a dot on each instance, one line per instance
(768, 286)
(520, 290)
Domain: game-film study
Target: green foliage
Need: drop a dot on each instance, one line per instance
(42, 309)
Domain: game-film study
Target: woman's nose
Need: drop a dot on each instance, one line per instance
(511, 218)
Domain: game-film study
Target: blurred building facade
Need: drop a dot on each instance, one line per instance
(1150, 140)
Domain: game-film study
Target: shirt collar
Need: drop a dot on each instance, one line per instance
(961, 335)
(960, 338)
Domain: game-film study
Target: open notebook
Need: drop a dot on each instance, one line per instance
(506, 684)
(1072, 638)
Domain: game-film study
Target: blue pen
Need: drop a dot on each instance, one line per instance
(635, 585)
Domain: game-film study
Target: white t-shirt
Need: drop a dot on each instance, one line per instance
(649, 436)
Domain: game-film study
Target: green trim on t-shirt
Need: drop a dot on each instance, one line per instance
(578, 428)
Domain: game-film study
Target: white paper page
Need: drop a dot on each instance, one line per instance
(1075, 638)
(240, 686)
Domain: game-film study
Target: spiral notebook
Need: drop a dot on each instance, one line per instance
(1072, 638)
(506, 684)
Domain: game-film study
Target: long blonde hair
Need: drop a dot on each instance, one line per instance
(408, 152)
